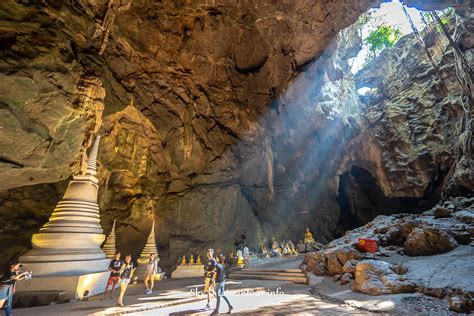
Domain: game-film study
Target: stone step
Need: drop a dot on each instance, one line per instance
(273, 270)
(294, 274)
(247, 276)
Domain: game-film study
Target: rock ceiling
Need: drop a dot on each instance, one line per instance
(203, 125)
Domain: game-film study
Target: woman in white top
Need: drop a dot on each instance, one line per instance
(151, 270)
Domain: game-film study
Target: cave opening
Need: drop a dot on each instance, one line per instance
(360, 200)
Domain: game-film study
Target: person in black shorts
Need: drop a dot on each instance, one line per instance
(220, 282)
(126, 273)
(209, 276)
(114, 278)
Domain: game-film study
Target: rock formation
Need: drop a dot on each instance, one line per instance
(242, 125)
(404, 241)
(376, 277)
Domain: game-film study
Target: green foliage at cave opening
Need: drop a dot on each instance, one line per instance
(384, 36)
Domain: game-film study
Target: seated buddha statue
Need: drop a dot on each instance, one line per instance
(308, 236)
(240, 258)
(276, 248)
(288, 249)
(198, 261)
(309, 240)
(301, 247)
(191, 259)
(284, 249)
(183, 261)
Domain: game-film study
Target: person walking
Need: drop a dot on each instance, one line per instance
(7, 285)
(209, 276)
(151, 270)
(246, 256)
(126, 273)
(114, 278)
(220, 285)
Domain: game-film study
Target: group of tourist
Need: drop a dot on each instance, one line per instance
(121, 273)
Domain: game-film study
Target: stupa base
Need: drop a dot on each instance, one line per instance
(70, 287)
(63, 268)
(191, 271)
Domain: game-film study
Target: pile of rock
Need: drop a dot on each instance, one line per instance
(437, 231)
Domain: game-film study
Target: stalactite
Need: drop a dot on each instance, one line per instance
(269, 158)
(188, 132)
(91, 94)
(103, 29)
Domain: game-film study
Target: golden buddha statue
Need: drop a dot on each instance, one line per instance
(191, 259)
(308, 237)
(183, 261)
(240, 258)
(198, 261)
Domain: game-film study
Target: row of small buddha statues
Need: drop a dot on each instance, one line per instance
(283, 248)
(287, 248)
(191, 261)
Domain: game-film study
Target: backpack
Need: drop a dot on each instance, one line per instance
(220, 273)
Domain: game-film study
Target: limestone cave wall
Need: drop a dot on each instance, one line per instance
(224, 121)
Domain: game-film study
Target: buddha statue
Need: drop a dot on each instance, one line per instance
(198, 261)
(191, 260)
(276, 248)
(308, 236)
(240, 258)
(301, 247)
(183, 261)
(309, 241)
(288, 248)
(284, 249)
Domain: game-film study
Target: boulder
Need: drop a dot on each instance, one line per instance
(393, 236)
(331, 261)
(463, 237)
(350, 266)
(346, 278)
(407, 227)
(316, 263)
(337, 257)
(428, 241)
(441, 212)
(461, 304)
(375, 277)
(466, 216)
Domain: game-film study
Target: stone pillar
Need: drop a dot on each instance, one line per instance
(67, 247)
(109, 247)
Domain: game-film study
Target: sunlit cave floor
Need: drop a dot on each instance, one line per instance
(321, 296)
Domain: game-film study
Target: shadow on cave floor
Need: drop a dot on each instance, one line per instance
(361, 200)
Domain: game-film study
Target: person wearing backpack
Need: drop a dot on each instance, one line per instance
(220, 284)
(209, 276)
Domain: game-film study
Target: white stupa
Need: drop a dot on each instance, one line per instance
(66, 254)
(150, 247)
